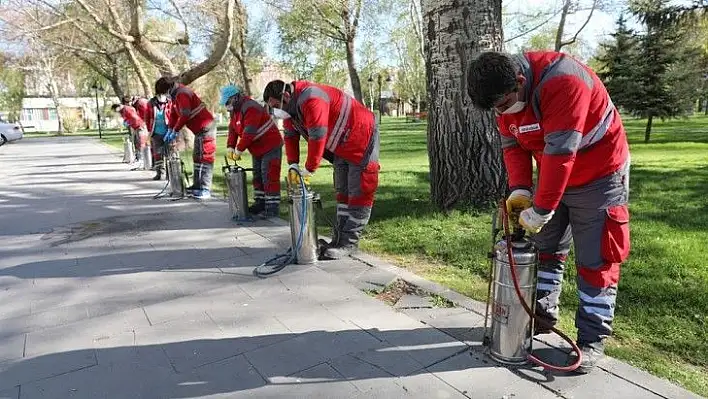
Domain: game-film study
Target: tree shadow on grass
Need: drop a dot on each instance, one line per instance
(680, 197)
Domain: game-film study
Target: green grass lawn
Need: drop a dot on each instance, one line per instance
(661, 320)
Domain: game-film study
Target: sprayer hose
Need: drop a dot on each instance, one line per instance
(515, 279)
(279, 262)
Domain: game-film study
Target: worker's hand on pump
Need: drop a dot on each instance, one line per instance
(293, 178)
(518, 201)
(532, 221)
(233, 154)
(170, 136)
(306, 174)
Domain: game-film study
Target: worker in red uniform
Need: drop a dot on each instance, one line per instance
(141, 105)
(252, 128)
(341, 129)
(136, 126)
(190, 112)
(552, 108)
(157, 119)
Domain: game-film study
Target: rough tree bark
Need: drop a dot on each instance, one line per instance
(464, 150)
(238, 46)
(351, 66)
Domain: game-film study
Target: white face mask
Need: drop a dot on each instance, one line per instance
(162, 98)
(280, 114)
(230, 108)
(516, 108)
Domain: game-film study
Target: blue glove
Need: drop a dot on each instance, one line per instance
(125, 124)
(170, 136)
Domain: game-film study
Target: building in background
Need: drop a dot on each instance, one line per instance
(39, 114)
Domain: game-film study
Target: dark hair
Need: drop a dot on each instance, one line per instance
(126, 100)
(274, 89)
(490, 76)
(115, 107)
(164, 84)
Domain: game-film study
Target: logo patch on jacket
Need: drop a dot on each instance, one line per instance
(529, 128)
(513, 130)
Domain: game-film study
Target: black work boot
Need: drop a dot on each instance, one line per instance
(339, 251)
(347, 244)
(271, 211)
(158, 175)
(543, 327)
(592, 354)
(257, 208)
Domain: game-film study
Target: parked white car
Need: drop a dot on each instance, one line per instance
(9, 132)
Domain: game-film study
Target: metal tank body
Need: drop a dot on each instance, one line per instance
(174, 173)
(307, 253)
(128, 152)
(511, 328)
(238, 191)
(146, 154)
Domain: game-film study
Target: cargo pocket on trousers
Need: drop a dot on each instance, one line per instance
(370, 179)
(615, 234)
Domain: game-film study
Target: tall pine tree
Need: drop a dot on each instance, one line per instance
(664, 67)
(618, 67)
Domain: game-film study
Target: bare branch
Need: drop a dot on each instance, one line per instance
(587, 20)
(103, 24)
(540, 25)
(52, 26)
(338, 34)
(75, 48)
(220, 47)
(92, 65)
(181, 17)
(357, 14)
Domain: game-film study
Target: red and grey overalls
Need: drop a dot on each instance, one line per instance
(189, 111)
(339, 127)
(157, 118)
(252, 128)
(137, 128)
(575, 134)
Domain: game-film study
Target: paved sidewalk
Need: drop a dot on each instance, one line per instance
(107, 293)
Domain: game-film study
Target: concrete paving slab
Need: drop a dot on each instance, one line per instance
(12, 393)
(477, 377)
(307, 350)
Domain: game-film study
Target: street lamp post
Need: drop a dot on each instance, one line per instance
(379, 81)
(96, 87)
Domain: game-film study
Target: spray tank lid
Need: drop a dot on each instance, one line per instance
(522, 248)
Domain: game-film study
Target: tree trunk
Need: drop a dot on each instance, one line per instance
(155, 56)
(238, 53)
(706, 105)
(353, 74)
(242, 57)
(138, 69)
(561, 25)
(114, 79)
(647, 131)
(464, 150)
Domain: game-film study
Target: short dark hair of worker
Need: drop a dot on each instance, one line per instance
(164, 84)
(490, 77)
(125, 100)
(115, 107)
(274, 89)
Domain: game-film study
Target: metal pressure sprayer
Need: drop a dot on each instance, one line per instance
(303, 229)
(511, 332)
(235, 177)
